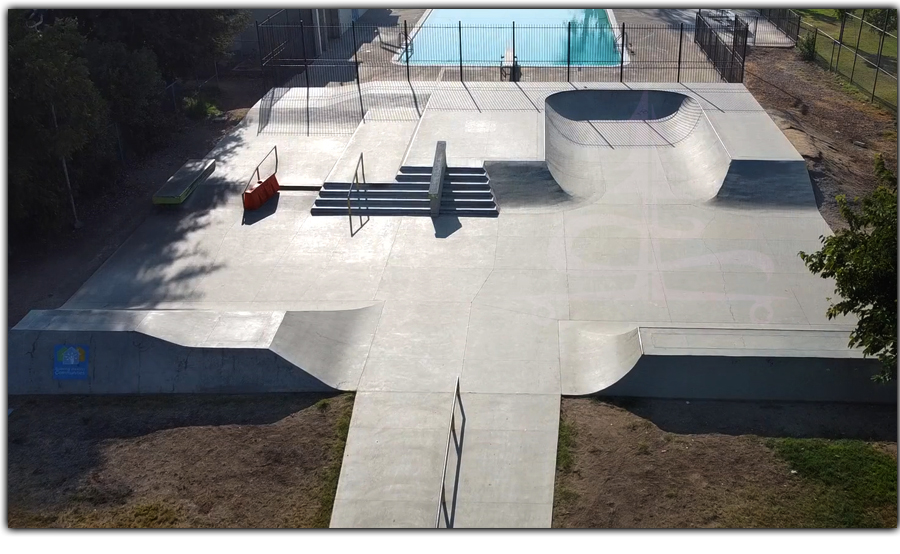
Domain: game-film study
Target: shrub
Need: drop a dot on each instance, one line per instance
(807, 47)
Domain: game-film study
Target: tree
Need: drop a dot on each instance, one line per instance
(883, 19)
(182, 40)
(863, 262)
(47, 78)
(133, 87)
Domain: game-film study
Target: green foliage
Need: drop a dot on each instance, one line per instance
(863, 262)
(842, 14)
(883, 18)
(133, 87)
(200, 107)
(181, 39)
(857, 483)
(47, 74)
(807, 46)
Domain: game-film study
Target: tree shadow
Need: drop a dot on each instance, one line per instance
(766, 419)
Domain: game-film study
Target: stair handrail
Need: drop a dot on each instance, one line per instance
(360, 165)
(443, 493)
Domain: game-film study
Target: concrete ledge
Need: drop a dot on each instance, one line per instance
(437, 178)
(180, 185)
(716, 364)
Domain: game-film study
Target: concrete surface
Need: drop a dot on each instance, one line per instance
(568, 291)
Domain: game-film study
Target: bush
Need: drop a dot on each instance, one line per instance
(807, 47)
(199, 106)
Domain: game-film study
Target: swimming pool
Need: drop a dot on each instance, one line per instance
(540, 37)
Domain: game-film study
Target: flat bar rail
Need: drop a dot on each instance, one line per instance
(266, 157)
(450, 432)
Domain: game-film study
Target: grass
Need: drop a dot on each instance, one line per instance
(840, 484)
(332, 471)
(566, 441)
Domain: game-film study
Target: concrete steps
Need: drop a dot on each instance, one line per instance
(466, 193)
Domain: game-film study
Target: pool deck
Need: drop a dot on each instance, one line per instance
(521, 308)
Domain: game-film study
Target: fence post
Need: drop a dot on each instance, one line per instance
(744, 54)
(568, 52)
(514, 60)
(831, 59)
(856, 50)
(878, 59)
(841, 42)
(460, 52)
(622, 57)
(406, 43)
(680, 42)
(305, 73)
(362, 111)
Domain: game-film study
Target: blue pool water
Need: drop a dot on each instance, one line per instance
(542, 37)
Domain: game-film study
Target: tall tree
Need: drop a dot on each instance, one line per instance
(54, 111)
(181, 39)
(863, 262)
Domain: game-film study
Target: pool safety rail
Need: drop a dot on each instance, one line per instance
(455, 438)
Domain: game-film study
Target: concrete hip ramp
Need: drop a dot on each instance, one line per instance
(659, 147)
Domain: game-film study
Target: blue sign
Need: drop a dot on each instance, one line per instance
(70, 361)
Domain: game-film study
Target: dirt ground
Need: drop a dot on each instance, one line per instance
(823, 118)
(174, 460)
(678, 464)
(43, 275)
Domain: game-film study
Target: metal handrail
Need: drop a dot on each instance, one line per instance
(442, 497)
(256, 170)
(360, 164)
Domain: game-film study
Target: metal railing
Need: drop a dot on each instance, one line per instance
(442, 499)
(785, 20)
(266, 157)
(354, 185)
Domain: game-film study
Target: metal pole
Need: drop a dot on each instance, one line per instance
(878, 60)
(831, 59)
(568, 52)
(680, 41)
(622, 57)
(362, 111)
(460, 52)
(815, 43)
(406, 39)
(514, 77)
(856, 50)
(841, 42)
(305, 73)
(744, 54)
(66, 171)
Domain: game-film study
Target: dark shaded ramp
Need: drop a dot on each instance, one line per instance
(526, 186)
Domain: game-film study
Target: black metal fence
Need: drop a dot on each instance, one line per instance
(297, 54)
(785, 20)
(724, 45)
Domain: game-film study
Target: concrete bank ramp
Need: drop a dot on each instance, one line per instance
(175, 351)
(724, 364)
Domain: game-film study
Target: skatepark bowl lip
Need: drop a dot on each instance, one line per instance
(616, 105)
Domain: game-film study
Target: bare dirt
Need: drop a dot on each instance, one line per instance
(43, 275)
(823, 117)
(677, 464)
(174, 460)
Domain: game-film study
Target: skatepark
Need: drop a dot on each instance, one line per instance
(640, 240)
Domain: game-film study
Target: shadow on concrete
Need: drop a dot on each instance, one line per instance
(174, 247)
(458, 438)
(525, 185)
(264, 211)
(445, 225)
(766, 419)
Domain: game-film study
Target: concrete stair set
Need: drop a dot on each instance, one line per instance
(466, 193)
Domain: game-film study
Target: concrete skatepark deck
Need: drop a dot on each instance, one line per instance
(650, 251)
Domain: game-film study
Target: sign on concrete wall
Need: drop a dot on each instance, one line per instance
(70, 361)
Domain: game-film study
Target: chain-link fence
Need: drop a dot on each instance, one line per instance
(861, 52)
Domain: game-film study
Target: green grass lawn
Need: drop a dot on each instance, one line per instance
(842, 60)
(845, 484)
